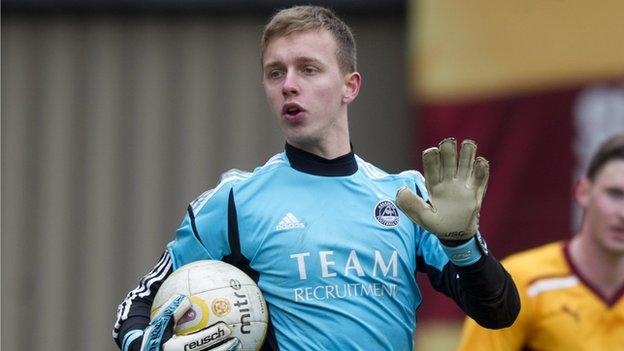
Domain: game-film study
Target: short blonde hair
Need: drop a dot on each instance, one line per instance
(305, 18)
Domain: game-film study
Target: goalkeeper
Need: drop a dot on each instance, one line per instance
(333, 242)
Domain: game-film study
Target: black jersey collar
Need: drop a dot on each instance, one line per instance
(306, 162)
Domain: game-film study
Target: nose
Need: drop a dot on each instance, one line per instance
(290, 86)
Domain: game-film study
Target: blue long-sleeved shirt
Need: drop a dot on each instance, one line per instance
(335, 258)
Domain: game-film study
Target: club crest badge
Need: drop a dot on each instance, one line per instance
(221, 307)
(386, 213)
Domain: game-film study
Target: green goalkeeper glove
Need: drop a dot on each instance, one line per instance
(455, 191)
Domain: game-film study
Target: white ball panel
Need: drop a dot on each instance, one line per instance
(218, 292)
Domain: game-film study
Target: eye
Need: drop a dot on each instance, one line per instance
(615, 193)
(275, 74)
(309, 70)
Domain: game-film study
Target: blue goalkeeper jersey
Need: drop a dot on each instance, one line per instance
(333, 255)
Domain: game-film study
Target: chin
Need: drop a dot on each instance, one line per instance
(301, 141)
(298, 135)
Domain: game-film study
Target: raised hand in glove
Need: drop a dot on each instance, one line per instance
(455, 191)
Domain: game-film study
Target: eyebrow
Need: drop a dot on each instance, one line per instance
(271, 65)
(305, 59)
(298, 59)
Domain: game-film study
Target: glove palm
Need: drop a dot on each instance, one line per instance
(455, 191)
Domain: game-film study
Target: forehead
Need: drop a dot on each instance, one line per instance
(611, 174)
(318, 44)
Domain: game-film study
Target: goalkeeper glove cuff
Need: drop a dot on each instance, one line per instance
(130, 338)
(467, 253)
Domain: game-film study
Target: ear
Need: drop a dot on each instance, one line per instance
(582, 190)
(351, 88)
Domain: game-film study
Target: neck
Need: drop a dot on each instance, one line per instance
(306, 162)
(329, 152)
(333, 143)
(603, 269)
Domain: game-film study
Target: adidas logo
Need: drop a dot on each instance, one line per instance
(289, 222)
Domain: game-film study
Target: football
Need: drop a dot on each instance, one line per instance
(219, 292)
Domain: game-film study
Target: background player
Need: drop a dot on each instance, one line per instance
(572, 291)
(317, 227)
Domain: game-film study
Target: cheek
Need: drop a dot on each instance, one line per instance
(274, 98)
(330, 96)
(604, 207)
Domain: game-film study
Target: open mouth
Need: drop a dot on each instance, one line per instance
(292, 111)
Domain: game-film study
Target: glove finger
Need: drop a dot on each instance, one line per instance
(161, 325)
(412, 205)
(480, 176)
(448, 156)
(199, 340)
(466, 159)
(431, 167)
(176, 306)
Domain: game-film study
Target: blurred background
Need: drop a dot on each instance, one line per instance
(117, 114)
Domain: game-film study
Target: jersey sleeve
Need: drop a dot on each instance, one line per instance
(133, 313)
(483, 290)
(203, 234)
(514, 338)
